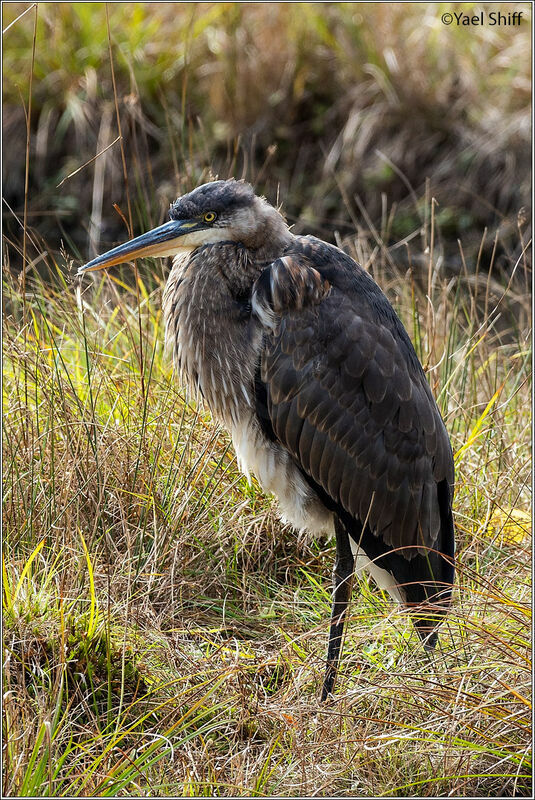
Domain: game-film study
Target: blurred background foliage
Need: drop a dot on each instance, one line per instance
(353, 114)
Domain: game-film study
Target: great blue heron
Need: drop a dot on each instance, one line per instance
(298, 352)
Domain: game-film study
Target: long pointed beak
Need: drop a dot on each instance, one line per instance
(160, 241)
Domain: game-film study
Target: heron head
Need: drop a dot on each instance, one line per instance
(220, 211)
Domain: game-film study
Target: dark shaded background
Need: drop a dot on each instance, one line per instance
(354, 115)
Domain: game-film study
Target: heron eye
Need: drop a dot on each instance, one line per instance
(209, 216)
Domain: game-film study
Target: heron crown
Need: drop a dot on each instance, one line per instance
(233, 212)
(217, 197)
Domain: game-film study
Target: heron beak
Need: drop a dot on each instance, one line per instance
(161, 241)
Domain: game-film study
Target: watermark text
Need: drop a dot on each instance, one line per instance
(490, 18)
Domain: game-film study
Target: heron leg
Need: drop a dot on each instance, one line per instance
(342, 581)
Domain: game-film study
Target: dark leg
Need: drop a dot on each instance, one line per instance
(342, 580)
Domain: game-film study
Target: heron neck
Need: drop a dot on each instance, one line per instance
(207, 321)
(272, 247)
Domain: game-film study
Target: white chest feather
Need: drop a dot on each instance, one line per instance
(277, 473)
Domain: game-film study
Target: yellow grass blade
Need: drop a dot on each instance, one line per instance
(476, 430)
(93, 599)
(5, 585)
(24, 573)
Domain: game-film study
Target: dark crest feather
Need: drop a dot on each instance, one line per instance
(215, 196)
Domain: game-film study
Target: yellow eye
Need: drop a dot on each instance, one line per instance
(209, 216)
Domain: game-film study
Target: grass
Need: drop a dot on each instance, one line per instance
(163, 634)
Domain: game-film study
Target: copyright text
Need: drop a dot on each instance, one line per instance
(491, 18)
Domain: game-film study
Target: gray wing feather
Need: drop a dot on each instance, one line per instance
(353, 409)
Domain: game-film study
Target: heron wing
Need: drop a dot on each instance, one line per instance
(346, 395)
